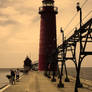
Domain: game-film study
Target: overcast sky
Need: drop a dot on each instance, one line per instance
(20, 28)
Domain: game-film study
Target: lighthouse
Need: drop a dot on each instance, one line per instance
(48, 42)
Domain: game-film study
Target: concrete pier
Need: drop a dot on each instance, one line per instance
(36, 82)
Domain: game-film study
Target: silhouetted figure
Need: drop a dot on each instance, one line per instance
(12, 77)
(17, 74)
(9, 78)
(27, 64)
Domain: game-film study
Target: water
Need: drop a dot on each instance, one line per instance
(3, 79)
(86, 72)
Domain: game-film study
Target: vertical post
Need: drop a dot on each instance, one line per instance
(80, 17)
(61, 85)
(79, 9)
(78, 84)
(53, 66)
(74, 56)
(66, 79)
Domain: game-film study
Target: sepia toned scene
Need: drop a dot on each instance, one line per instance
(46, 46)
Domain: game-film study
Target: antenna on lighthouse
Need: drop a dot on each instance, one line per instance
(30, 54)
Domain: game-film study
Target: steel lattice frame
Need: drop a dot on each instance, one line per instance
(83, 35)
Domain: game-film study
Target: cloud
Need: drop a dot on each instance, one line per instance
(36, 19)
(26, 10)
(8, 22)
(20, 26)
(3, 3)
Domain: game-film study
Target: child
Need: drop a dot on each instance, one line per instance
(17, 74)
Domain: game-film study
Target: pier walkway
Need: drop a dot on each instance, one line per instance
(36, 82)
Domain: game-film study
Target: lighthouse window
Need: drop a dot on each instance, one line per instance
(47, 4)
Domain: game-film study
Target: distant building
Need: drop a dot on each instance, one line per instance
(27, 64)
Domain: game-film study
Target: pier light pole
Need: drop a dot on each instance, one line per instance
(61, 85)
(78, 84)
(79, 10)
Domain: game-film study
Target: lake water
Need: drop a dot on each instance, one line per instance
(3, 79)
(86, 72)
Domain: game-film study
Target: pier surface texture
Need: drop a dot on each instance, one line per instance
(36, 82)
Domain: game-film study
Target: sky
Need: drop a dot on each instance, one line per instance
(20, 28)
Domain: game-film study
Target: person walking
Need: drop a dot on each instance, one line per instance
(17, 74)
(12, 77)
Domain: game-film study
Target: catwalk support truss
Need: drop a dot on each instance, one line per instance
(83, 37)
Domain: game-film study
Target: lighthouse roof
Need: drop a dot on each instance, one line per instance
(48, 1)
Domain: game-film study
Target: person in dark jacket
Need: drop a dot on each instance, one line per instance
(12, 77)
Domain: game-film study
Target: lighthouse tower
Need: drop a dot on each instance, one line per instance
(48, 41)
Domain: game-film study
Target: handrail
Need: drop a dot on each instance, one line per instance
(76, 33)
